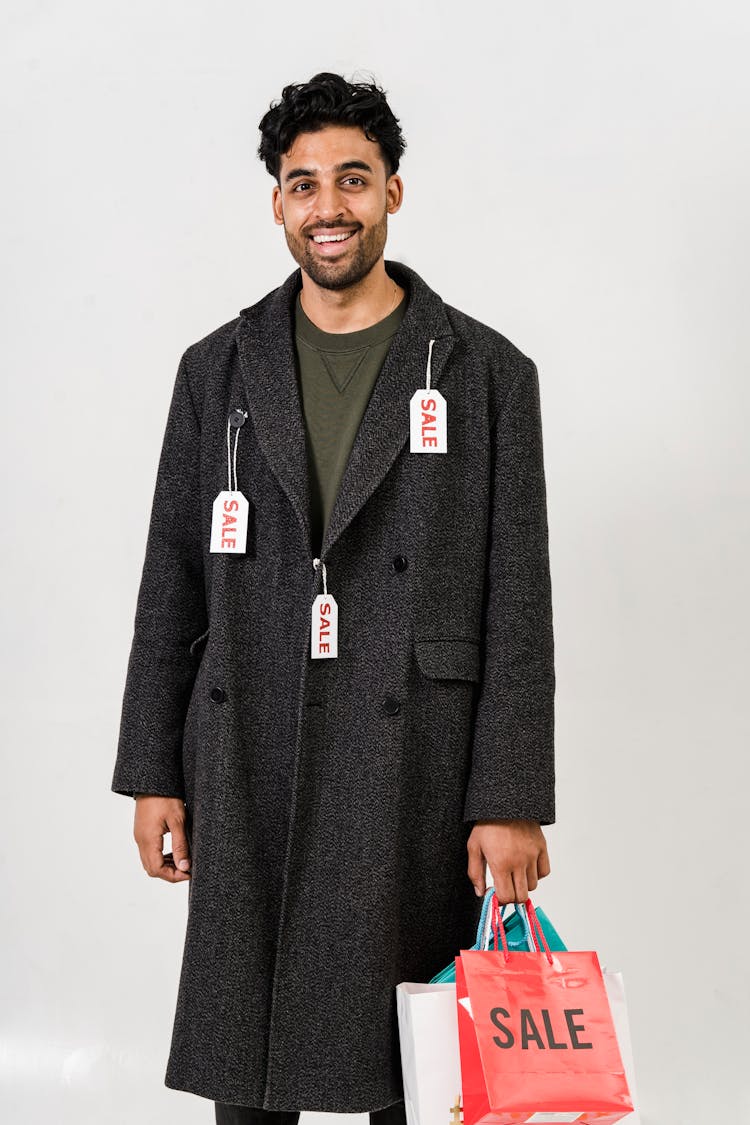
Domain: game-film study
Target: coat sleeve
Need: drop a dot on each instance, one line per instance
(512, 770)
(170, 614)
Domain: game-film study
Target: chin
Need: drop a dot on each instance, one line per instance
(337, 277)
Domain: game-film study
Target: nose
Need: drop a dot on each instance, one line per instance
(329, 205)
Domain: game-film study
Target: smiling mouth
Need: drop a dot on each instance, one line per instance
(332, 239)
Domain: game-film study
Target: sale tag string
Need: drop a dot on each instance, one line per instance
(429, 365)
(229, 457)
(316, 564)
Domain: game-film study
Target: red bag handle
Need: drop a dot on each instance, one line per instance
(497, 921)
(537, 932)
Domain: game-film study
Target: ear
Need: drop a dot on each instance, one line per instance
(394, 193)
(276, 203)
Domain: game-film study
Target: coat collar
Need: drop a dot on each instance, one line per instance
(265, 341)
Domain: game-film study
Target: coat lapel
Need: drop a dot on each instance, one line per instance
(265, 339)
(265, 343)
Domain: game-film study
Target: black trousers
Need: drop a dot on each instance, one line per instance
(243, 1115)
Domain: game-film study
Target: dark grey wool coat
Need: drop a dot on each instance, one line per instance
(329, 801)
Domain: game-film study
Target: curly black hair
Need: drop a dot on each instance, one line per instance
(329, 99)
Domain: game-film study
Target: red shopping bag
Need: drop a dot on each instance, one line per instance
(536, 1036)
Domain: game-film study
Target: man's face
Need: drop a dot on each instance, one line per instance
(335, 182)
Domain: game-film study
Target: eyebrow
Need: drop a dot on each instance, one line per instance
(293, 173)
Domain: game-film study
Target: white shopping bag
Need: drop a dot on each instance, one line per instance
(428, 1032)
(430, 1060)
(615, 987)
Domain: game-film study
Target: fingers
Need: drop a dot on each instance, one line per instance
(513, 881)
(477, 866)
(525, 880)
(505, 892)
(155, 863)
(169, 871)
(517, 857)
(521, 884)
(153, 819)
(180, 845)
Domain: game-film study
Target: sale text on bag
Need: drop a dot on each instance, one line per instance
(529, 1034)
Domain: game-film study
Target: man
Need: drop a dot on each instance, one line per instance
(339, 699)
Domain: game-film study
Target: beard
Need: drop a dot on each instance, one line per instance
(351, 267)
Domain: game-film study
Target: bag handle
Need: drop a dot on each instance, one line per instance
(538, 933)
(497, 922)
(485, 921)
(484, 928)
(536, 930)
(520, 910)
(483, 925)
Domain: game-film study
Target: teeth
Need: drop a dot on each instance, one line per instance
(332, 237)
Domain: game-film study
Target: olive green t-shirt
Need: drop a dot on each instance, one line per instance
(337, 372)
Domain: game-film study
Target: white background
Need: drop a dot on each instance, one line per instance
(576, 177)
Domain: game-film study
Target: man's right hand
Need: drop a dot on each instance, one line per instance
(154, 817)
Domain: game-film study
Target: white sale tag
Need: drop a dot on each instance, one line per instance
(229, 523)
(324, 633)
(429, 425)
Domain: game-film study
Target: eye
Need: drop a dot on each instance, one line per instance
(303, 184)
(354, 178)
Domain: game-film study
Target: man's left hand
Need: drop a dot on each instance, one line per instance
(516, 852)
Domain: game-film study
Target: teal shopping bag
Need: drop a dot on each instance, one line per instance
(516, 929)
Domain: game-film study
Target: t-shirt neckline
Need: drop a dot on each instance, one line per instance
(307, 330)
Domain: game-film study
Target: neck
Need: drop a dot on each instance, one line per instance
(355, 307)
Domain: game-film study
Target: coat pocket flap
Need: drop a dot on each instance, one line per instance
(449, 660)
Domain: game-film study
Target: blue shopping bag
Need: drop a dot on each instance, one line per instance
(517, 930)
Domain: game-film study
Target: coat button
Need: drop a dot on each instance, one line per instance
(237, 418)
(400, 563)
(391, 706)
(217, 695)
